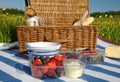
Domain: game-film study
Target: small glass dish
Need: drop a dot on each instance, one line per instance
(73, 68)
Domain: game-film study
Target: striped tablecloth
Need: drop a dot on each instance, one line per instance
(14, 68)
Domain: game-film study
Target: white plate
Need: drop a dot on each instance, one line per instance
(43, 46)
(45, 54)
(112, 57)
(37, 50)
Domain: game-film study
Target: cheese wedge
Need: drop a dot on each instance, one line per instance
(113, 51)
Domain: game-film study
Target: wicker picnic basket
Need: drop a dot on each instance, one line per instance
(59, 16)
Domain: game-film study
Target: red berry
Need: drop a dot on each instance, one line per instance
(57, 58)
(52, 65)
(59, 63)
(37, 62)
(34, 68)
(85, 53)
(93, 53)
(44, 68)
(53, 60)
(47, 59)
(63, 57)
(51, 72)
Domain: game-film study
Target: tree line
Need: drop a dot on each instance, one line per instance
(12, 11)
(95, 14)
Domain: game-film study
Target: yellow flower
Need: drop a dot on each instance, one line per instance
(100, 16)
(103, 34)
(22, 18)
(109, 37)
(3, 9)
(111, 16)
(6, 19)
(106, 15)
(110, 20)
(6, 13)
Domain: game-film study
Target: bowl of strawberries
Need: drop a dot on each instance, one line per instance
(44, 67)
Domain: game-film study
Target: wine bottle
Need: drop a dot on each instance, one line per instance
(29, 11)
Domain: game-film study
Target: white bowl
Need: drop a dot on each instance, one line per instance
(43, 47)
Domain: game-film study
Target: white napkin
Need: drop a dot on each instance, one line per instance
(31, 21)
(79, 22)
(4, 46)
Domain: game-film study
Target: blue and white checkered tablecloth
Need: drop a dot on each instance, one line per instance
(14, 67)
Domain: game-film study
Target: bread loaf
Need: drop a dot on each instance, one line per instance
(88, 21)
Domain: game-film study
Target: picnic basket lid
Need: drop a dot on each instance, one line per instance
(62, 12)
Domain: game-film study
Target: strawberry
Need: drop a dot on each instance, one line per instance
(59, 63)
(44, 68)
(57, 58)
(52, 65)
(34, 68)
(37, 62)
(51, 72)
(53, 60)
(63, 57)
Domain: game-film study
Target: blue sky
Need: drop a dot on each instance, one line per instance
(95, 5)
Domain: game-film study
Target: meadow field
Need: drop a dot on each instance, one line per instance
(109, 26)
(8, 25)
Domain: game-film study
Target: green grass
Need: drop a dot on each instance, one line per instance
(109, 27)
(8, 25)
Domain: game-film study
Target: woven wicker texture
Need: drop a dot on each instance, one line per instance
(69, 37)
(61, 12)
(59, 16)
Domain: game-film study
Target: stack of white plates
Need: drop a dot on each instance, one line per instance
(43, 48)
